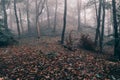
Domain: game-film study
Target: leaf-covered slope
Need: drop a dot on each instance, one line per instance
(50, 61)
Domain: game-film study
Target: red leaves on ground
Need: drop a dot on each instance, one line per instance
(54, 63)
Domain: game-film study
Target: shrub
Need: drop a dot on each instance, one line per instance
(6, 37)
(87, 43)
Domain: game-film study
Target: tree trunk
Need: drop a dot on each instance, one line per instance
(108, 22)
(39, 8)
(84, 15)
(96, 10)
(64, 23)
(48, 14)
(102, 31)
(28, 21)
(116, 48)
(11, 18)
(17, 21)
(21, 23)
(79, 13)
(36, 21)
(98, 24)
(55, 22)
(5, 14)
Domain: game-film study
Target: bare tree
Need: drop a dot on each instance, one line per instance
(28, 21)
(64, 23)
(84, 15)
(116, 45)
(48, 14)
(17, 20)
(103, 24)
(55, 22)
(97, 36)
(11, 17)
(79, 13)
(21, 23)
(5, 14)
(39, 8)
(109, 21)
(96, 9)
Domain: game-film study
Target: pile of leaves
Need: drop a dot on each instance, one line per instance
(55, 63)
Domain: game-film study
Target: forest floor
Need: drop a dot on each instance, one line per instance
(46, 59)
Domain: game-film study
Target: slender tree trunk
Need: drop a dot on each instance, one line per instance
(48, 14)
(5, 15)
(38, 5)
(64, 23)
(21, 23)
(36, 21)
(28, 21)
(98, 24)
(108, 23)
(102, 31)
(11, 19)
(42, 19)
(17, 21)
(79, 13)
(96, 10)
(55, 19)
(118, 16)
(84, 15)
(116, 48)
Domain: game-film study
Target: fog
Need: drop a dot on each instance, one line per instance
(59, 39)
(71, 13)
(87, 16)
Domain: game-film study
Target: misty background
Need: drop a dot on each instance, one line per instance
(87, 17)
